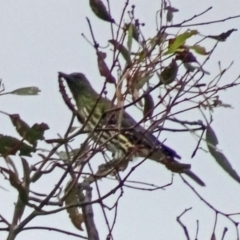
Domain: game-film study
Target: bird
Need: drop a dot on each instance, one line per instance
(120, 133)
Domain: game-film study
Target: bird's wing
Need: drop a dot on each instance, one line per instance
(139, 135)
(148, 138)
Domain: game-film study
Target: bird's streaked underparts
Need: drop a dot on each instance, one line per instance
(125, 141)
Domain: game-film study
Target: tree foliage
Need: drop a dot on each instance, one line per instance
(164, 75)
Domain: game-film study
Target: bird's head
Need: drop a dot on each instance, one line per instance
(75, 80)
(77, 83)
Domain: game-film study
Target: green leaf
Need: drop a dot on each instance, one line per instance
(211, 138)
(220, 158)
(26, 91)
(159, 39)
(179, 41)
(169, 16)
(148, 106)
(33, 134)
(11, 164)
(21, 126)
(72, 129)
(140, 82)
(103, 68)
(135, 32)
(72, 197)
(170, 11)
(130, 36)
(10, 146)
(185, 56)
(223, 36)
(199, 49)
(169, 74)
(125, 53)
(16, 183)
(36, 133)
(100, 10)
(37, 175)
(24, 193)
(26, 171)
(218, 103)
(191, 68)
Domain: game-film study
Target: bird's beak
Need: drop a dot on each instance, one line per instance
(63, 75)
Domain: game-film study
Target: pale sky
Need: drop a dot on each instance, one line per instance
(40, 38)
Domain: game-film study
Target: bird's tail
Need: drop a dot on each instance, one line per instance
(194, 177)
(168, 160)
